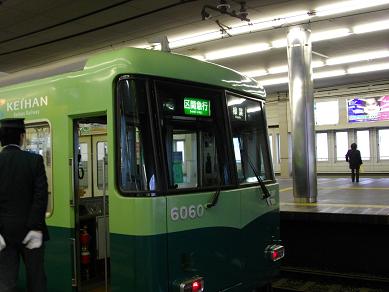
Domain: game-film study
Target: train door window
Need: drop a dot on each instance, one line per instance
(383, 144)
(342, 145)
(321, 147)
(250, 140)
(136, 172)
(38, 140)
(84, 167)
(193, 135)
(100, 164)
(363, 142)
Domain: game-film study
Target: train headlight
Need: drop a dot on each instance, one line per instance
(195, 284)
(275, 252)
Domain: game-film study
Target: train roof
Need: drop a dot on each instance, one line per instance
(146, 62)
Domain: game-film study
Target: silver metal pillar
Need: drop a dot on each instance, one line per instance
(283, 128)
(301, 105)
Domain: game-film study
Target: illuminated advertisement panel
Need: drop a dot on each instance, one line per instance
(368, 109)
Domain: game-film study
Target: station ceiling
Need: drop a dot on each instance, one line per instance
(350, 37)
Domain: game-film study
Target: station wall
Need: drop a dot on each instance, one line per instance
(337, 133)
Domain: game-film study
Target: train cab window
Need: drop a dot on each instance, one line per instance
(250, 140)
(193, 134)
(38, 140)
(136, 174)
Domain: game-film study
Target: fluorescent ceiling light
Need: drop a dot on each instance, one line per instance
(141, 46)
(254, 109)
(195, 39)
(316, 37)
(368, 68)
(281, 43)
(371, 26)
(358, 57)
(347, 6)
(317, 64)
(279, 20)
(237, 51)
(198, 57)
(330, 34)
(330, 73)
(273, 81)
(278, 69)
(256, 73)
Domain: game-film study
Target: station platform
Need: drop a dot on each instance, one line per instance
(340, 196)
(342, 233)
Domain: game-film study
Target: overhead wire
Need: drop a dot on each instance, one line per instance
(99, 27)
(64, 22)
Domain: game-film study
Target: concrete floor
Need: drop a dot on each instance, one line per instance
(339, 195)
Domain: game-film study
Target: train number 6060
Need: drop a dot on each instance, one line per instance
(185, 212)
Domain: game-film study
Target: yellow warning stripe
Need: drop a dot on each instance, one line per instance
(334, 205)
(353, 188)
(341, 188)
(286, 189)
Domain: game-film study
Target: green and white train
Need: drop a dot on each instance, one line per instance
(159, 173)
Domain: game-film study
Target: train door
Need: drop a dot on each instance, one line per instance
(92, 256)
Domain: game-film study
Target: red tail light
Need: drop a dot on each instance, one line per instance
(275, 252)
(195, 284)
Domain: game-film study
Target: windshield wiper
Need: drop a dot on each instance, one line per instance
(266, 194)
(215, 197)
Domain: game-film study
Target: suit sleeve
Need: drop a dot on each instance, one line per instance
(36, 218)
(359, 157)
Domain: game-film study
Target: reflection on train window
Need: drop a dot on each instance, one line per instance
(363, 142)
(136, 155)
(321, 147)
(187, 170)
(341, 145)
(38, 140)
(383, 140)
(184, 168)
(249, 139)
(271, 146)
(278, 147)
(193, 135)
(101, 156)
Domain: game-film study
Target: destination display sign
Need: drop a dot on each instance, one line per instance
(197, 107)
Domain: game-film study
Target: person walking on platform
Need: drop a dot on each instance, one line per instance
(23, 203)
(353, 157)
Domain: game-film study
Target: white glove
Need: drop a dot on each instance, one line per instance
(2, 243)
(33, 239)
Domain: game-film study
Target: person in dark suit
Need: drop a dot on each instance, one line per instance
(354, 159)
(23, 203)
